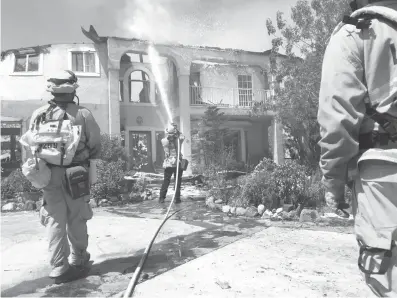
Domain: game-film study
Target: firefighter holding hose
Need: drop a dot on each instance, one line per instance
(171, 149)
(358, 126)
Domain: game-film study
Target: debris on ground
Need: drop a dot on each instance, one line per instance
(223, 284)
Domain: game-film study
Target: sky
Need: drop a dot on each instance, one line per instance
(239, 24)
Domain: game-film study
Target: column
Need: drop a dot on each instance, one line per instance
(243, 147)
(184, 116)
(114, 103)
(278, 142)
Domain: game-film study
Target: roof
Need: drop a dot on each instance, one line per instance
(95, 38)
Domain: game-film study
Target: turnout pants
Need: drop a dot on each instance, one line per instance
(65, 220)
(375, 213)
(168, 172)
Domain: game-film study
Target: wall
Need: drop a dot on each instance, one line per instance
(21, 94)
(258, 143)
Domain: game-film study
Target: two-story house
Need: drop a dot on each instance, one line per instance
(118, 84)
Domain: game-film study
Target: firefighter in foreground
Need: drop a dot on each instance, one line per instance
(66, 165)
(170, 145)
(358, 125)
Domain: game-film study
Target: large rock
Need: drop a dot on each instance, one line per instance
(308, 215)
(9, 207)
(210, 200)
(261, 209)
(251, 211)
(226, 209)
(219, 201)
(29, 206)
(240, 211)
(233, 210)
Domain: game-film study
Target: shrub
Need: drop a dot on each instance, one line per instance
(15, 183)
(270, 184)
(112, 148)
(110, 179)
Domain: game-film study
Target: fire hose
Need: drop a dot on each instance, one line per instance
(131, 286)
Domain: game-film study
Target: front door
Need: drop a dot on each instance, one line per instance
(141, 151)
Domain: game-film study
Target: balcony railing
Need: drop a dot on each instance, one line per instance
(228, 97)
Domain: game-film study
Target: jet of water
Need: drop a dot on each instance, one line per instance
(154, 58)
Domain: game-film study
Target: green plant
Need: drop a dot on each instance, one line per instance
(112, 148)
(15, 183)
(110, 179)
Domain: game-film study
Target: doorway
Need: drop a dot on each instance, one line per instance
(140, 146)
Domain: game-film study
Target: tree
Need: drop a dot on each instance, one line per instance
(304, 43)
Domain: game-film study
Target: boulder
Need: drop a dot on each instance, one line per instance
(240, 211)
(219, 201)
(209, 200)
(9, 207)
(226, 209)
(261, 209)
(29, 206)
(308, 215)
(266, 215)
(251, 211)
(279, 210)
(233, 210)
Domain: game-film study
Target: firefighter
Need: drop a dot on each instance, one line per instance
(170, 145)
(358, 125)
(64, 217)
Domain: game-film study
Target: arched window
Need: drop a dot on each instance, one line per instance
(139, 87)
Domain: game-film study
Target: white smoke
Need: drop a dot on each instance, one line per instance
(169, 21)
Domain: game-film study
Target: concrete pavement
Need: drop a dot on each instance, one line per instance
(197, 253)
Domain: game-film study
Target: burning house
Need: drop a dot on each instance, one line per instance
(125, 89)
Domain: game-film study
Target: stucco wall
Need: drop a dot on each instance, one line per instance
(21, 94)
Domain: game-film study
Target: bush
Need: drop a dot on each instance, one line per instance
(112, 148)
(271, 185)
(110, 179)
(15, 183)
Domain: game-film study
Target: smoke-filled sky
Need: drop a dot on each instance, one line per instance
(225, 23)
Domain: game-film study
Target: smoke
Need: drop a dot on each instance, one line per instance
(171, 21)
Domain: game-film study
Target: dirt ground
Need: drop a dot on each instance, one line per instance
(198, 253)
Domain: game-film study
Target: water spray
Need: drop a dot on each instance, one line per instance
(155, 59)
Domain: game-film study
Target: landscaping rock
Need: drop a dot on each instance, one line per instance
(240, 211)
(233, 210)
(29, 206)
(226, 209)
(251, 211)
(279, 210)
(9, 207)
(261, 209)
(93, 203)
(266, 215)
(308, 215)
(209, 200)
(275, 217)
(219, 201)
